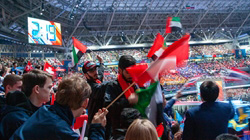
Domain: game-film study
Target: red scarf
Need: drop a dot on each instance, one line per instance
(98, 81)
(124, 85)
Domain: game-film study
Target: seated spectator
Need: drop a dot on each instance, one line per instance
(55, 122)
(141, 129)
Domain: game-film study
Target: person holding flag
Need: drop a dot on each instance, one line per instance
(113, 90)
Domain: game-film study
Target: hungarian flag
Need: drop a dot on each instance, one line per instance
(158, 43)
(174, 55)
(173, 24)
(48, 68)
(28, 67)
(77, 51)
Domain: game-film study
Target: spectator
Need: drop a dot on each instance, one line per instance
(210, 119)
(128, 115)
(2, 73)
(114, 89)
(141, 129)
(55, 122)
(11, 82)
(14, 69)
(94, 79)
(168, 112)
(20, 106)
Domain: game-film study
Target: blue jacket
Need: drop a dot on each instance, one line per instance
(207, 121)
(51, 123)
(169, 112)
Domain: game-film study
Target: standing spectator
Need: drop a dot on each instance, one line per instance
(94, 79)
(168, 111)
(114, 89)
(210, 119)
(55, 122)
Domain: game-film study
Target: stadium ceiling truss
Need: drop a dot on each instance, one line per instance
(121, 22)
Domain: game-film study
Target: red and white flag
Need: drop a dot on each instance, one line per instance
(28, 67)
(48, 68)
(158, 43)
(174, 55)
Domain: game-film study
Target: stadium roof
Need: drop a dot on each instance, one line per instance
(120, 22)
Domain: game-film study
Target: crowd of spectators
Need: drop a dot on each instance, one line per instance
(174, 79)
(212, 49)
(240, 93)
(114, 55)
(171, 80)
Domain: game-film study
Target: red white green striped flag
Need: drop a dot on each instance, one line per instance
(173, 24)
(78, 50)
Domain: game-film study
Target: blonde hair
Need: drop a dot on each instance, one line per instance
(72, 91)
(141, 129)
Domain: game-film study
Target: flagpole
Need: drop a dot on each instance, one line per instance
(120, 95)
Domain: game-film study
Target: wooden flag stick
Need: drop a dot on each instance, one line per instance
(120, 95)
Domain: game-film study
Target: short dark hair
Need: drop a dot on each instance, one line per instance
(128, 115)
(175, 128)
(11, 80)
(209, 91)
(72, 91)
(126, 61)
(33, 78)
(227, 137)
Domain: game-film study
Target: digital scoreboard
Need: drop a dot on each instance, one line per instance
(44, 32)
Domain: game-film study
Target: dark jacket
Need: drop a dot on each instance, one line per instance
(113, 118)
(16, 111)
(207, 121)
(2, 102)
(49, 122)
(96, 99)
(52, 123)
